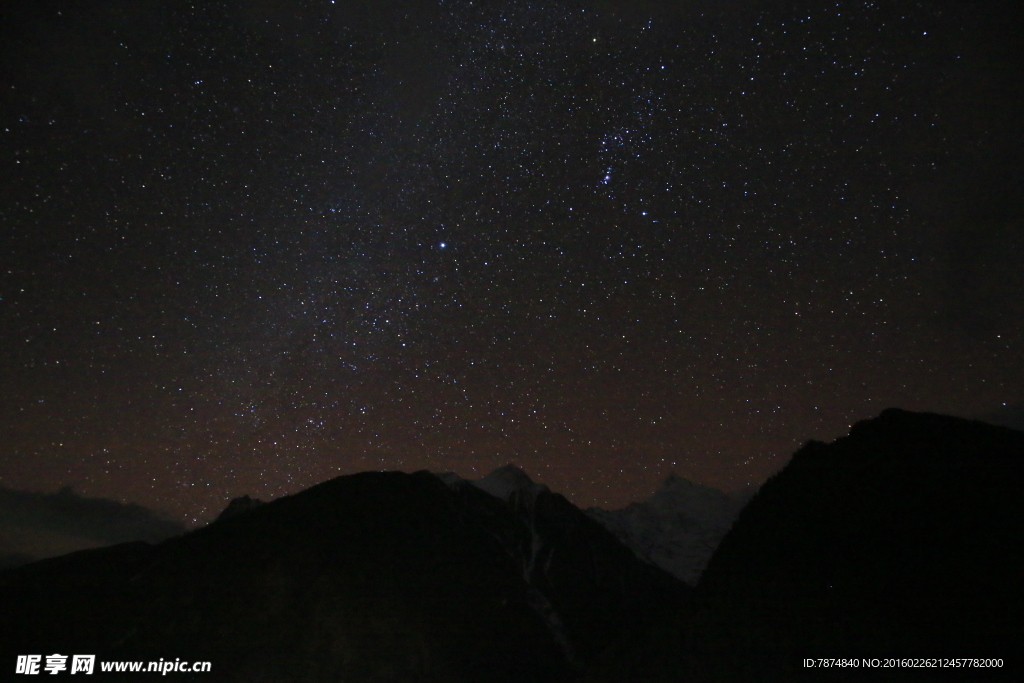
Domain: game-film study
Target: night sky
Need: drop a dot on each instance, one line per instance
(248, 246)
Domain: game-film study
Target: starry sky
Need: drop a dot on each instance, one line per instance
(247, 246)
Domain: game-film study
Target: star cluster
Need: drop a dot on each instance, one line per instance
(251, 245)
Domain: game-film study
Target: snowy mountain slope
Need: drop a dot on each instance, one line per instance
(677, 528)
(584, 580)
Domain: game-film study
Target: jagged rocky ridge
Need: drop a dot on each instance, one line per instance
(375, 576)
(239, 506)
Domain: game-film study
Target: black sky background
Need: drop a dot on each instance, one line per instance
(247, 246)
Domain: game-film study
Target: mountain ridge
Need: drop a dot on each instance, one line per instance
(373, 576)
(902, 538)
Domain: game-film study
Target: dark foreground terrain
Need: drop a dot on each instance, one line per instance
(371, 577)
(903, 539)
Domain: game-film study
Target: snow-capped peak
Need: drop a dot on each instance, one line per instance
(505, 481)
(677, 528)
(450, 479)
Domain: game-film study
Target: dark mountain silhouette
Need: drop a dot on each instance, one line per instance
(34, 526)
(370, 577)
(239, 506)
(905, 538)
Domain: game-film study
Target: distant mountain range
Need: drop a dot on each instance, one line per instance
(34, 526)
(676, 529)
(903, 539)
